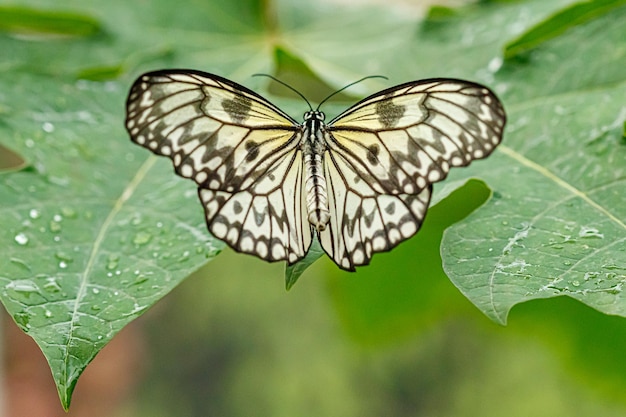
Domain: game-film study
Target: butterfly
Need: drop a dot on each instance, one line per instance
(268, 184)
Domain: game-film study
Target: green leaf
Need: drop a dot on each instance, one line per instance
(94, 231)
(558, 23)
(556, 224)
(293, 272)
(32, 22)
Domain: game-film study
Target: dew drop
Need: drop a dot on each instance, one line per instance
(48, 313)
(52, 286)
(55, 227)
(590, 232)
(495, 64)
(60, 181)
(21, 239)
(95, 290)
(142, 238)
(23, 286)
(62, 264)
(68, 212)
(576, 283)
(63, 256)
(34, 214)
(29, 143)
(47, 127)
(57, 218)
(113, 261)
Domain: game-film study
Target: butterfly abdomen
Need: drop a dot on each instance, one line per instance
(315, 182)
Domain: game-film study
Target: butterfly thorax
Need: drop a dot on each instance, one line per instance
(313, 148)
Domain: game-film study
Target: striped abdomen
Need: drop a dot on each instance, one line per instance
(314, 180)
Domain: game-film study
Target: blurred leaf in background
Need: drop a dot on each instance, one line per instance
(94, 231)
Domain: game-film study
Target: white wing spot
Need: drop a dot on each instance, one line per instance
(261, 249)
(201, 177)
(186, 171)
(219, 230)
(434, 176)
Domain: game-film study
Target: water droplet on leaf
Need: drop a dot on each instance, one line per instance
(55, 227)
(590, 232)
(21, 239)
(23, 287)
(68, 212)
(142, 238)
(52, 285)
(113, 261)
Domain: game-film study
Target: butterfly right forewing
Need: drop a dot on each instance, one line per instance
(404, 138)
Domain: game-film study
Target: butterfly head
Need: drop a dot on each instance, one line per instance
(314, 115)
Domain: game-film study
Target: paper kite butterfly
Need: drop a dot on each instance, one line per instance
(361, 182)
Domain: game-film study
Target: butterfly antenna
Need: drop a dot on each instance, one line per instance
(349, 85)
(286, 85)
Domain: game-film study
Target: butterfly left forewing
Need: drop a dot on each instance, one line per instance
(216, 132)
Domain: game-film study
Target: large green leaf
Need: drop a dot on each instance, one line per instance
(88, 241)
(95, 231)
(557, 222)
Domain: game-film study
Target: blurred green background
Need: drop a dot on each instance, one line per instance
(395, 338)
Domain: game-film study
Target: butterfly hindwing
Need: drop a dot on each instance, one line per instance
(268, 219)
(364, 221)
